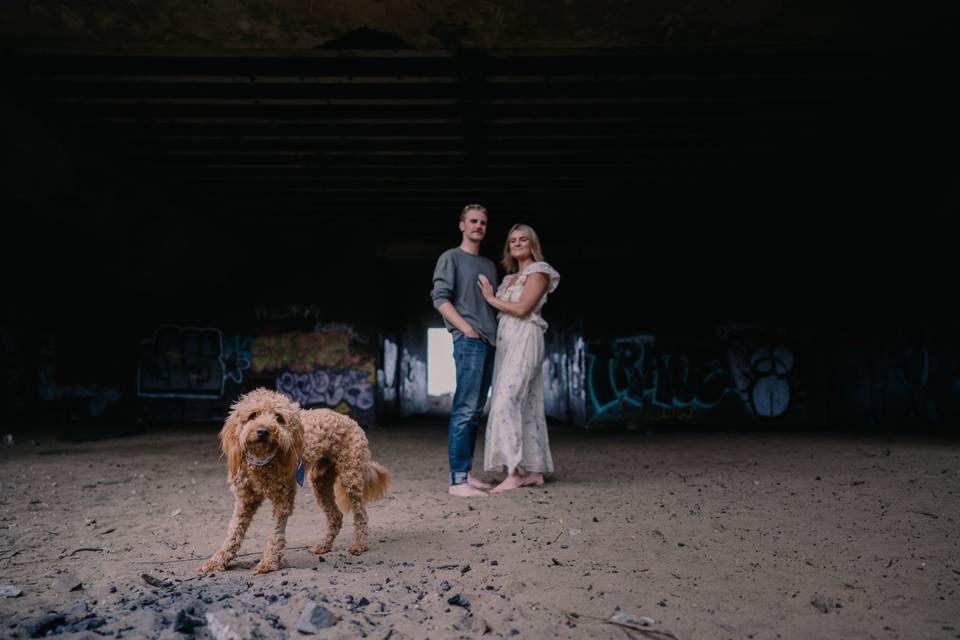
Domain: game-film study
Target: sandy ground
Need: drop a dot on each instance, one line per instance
(710, 534)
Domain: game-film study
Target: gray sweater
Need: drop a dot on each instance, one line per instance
(455, 281)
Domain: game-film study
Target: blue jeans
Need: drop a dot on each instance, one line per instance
(474, 361)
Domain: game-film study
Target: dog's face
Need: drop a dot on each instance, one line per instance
(263, 425)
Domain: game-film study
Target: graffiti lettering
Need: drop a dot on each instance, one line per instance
(328, 387)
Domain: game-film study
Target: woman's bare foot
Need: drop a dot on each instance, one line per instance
(465, 491)
(512, 481)
(532, 479)
(477, 483)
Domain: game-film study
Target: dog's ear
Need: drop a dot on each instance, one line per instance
(294, 441)
(230, 443)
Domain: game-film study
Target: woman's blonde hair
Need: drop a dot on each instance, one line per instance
(509, 262)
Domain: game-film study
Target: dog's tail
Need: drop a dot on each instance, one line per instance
(375, 483)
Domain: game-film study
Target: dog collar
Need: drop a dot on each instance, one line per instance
(258, 462)
(262, 462)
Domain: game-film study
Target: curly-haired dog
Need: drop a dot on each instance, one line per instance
(266, 438)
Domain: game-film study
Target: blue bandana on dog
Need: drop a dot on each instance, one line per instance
(298, 474)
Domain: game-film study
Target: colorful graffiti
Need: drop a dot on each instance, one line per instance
(329, 388)
(305, 352)
(763, 367)
(181, 362)
(645, 378)
(630, 376)
(342, 328)
(318, 368)
(324, 368)
(236, 357)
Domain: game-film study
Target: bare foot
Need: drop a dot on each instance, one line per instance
(532, 479)
(477, 483)
(510, 482)
(465, 491)
(357, 549)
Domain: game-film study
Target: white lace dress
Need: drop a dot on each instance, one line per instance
(516, 426)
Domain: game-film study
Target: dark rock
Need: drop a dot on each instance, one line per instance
(315, 617)
(459, 601)
(39, 627)
(186, 623)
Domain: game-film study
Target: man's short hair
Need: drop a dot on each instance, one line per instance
(473, 207)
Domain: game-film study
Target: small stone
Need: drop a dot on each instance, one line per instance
(10, 591)
(820, 603)
(315, 617)
(67, 582)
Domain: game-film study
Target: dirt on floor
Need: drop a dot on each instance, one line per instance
(666, 534)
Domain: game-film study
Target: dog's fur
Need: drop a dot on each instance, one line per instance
(265, 425)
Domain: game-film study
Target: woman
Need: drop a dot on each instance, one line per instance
(516, 427)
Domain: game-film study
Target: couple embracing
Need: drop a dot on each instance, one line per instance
(507, 355)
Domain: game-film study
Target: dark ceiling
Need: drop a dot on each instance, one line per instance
(699, 135)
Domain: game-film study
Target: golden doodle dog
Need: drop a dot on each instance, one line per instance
(269, 441)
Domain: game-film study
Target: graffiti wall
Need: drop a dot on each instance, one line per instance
(316, 363)
(71, 382)
(725, 372)
(182, 362)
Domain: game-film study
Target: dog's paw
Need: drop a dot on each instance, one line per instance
(357, 549)
(265, 567)
(211, 565)
(321, 548)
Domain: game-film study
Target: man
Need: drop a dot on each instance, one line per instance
(474, 327)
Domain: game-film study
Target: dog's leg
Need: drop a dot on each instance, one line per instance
(244, 506)
(322, 483)
(352, 482)
(270, 561)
